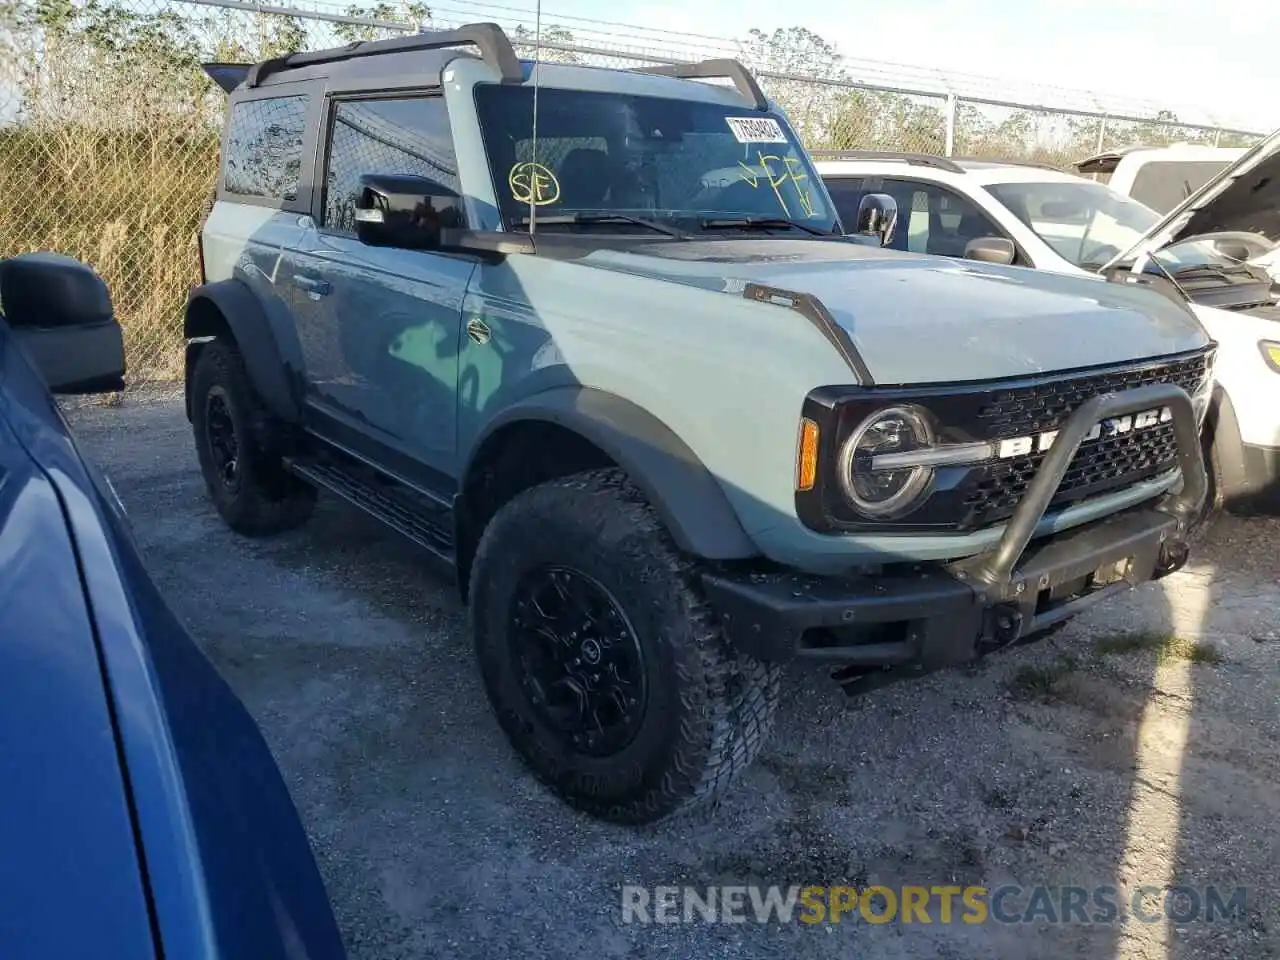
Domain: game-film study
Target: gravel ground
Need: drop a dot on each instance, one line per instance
(1136, 747)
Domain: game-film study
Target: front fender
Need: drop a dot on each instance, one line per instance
(687, 497)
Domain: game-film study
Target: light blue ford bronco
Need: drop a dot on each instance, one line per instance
(597, 341)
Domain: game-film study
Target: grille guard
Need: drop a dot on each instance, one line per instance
(984, 495)
(996, 569)
(903, 623)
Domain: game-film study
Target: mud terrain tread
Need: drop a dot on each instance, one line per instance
(270, 500)
(726, 699)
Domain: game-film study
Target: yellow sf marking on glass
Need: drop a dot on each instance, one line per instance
(806, 201)
(533, 183)
(775, 180)
(807, 456)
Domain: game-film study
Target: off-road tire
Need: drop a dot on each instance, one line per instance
(709, 707)
(267, 498)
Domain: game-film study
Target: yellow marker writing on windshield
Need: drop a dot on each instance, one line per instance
(533, 183)
(792, 172)
(775, 180)
(796, 174)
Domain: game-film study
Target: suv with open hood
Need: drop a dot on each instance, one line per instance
(1212, 252)
(1219, 250)
(596, 340)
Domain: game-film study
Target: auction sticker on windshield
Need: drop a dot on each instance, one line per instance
(756, 129)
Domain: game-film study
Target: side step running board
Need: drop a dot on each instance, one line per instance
(428, 529)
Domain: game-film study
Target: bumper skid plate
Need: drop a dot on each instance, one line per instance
(882, 628)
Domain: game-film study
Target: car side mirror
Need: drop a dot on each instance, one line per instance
(405, 211)
(60, 312)
(990, 250)
(877, 217)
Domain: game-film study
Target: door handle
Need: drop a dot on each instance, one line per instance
(315, 288)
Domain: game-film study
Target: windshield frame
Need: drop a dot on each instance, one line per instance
(800, 174)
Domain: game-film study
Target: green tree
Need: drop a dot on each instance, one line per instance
(412, 15)
(803, 73)
(526, 42)
(807, 76)
(1230, 139)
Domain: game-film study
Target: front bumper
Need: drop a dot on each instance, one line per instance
(924, 617)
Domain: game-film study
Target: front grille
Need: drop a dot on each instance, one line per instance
(1101, 465)
(1023, 410)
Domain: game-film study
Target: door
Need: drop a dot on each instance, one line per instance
(931, 218)
(939, 220)
(379, 327)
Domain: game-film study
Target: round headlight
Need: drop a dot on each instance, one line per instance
(886, 493)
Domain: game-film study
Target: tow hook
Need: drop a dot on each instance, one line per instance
(1005, 627)
(1173, 557)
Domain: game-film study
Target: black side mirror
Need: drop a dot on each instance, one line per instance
(990, 250)
(877, 217)
(405, 211)
(60, 311)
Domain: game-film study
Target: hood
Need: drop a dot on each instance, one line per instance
(922, 319)
(1244, 198)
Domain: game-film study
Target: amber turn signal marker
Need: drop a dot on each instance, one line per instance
(807, 456)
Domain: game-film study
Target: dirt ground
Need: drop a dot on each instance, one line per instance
(1137, 747)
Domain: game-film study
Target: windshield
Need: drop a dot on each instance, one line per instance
(1088, 223)
(686, 164)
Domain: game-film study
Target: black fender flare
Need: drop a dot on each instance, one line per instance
(1222, 434)
(687, 497)
(247, 318)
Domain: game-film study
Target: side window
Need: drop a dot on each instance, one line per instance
(1163, 184)
(264, 147)
(406, 136)
(941, 221)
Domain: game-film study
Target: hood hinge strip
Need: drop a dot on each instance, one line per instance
(809, 306)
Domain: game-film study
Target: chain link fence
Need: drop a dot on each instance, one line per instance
(109, 128)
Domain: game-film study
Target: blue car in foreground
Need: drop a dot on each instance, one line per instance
(141, 811)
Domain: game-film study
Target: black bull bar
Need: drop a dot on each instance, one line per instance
(941, 613)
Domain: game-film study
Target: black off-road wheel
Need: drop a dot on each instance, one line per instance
(600, 658)
(241, 446)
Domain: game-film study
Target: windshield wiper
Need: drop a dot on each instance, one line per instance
(1196, 271)
(591, 218)
(761, 223)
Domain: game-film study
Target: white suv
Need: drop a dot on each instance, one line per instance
(1209, 251)
(1160, 177)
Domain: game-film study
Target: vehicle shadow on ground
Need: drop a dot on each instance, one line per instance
(1109, 757)
(1111, 754)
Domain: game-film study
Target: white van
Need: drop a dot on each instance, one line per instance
(1159, 177)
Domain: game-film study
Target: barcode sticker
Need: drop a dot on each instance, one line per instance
(756, 129)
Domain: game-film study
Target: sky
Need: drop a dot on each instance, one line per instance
(1208, 62)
